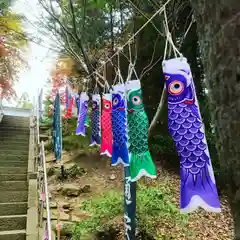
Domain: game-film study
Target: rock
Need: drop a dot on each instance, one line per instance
(54, 215)
(73, 170)
(64, 205)
(66, 228)
(51, 171)
(78, 216)
(53, 205)
(49, 195)
(70, 190)
(85, 189)
(59, 188)
(67, 211)
(112, 177)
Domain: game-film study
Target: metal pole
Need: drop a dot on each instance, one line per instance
(46, 195)
(129, 206)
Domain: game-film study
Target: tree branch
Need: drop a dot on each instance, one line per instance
(158, 112)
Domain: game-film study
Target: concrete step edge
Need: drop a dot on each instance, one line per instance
(11, 203)
(14, 216)
(12, 232)
(17, 181)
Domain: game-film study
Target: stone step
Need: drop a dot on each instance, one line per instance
(7, 126)
(13, 235)
(15, 142)
(13, 196)
(6, 129)
(15, 121)
(13, 177)
(13, 186)
(13, 152)
(20, 125)
(13, 208)
(14, 138)
(13, 170)
(13, 222)
(12, 145)
(44, 137)
(13, 158)
(9, 135)
(20, 163)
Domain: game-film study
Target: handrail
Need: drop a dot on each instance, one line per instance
(1, 110)
(42, 180)
(49, 230)
(37, 115)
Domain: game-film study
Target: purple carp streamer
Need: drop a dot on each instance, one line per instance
(81, 127)
(198, 187)
(96, 120)
(119, 126)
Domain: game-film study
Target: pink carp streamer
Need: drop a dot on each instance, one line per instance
(70, 108)
(106, 123)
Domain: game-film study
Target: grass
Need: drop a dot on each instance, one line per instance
(102, 209)
(153, 208)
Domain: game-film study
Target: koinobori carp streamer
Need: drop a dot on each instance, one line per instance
(81, 126)
(198, 187)
(106, 125)
(96, 120)
(141, 163)
(119, 126)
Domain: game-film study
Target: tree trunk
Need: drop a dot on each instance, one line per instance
(219, 35)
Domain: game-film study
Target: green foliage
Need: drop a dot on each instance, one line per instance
(103, 209)
(74, 142)
(162, 145)
(153, 206)
(46, 121)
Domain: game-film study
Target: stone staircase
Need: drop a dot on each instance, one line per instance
(14, 148)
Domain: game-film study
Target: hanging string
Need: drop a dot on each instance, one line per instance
(95, 90)
(159, 11)
(103, 78)
(131, 67)
(169, 37)
(120, 78)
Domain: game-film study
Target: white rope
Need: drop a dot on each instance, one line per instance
(169, 38)
(159, 11)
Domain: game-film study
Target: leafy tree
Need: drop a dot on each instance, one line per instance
(219, 43)
(11, 58)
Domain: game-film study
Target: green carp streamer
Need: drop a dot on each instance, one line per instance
(141, 163)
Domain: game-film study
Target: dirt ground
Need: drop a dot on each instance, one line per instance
(102, 177)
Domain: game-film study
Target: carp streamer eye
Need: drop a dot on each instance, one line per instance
(107, 105)
(115, 101)
(86, 104)
(176, 87)
(136, 100)
(94, 105)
